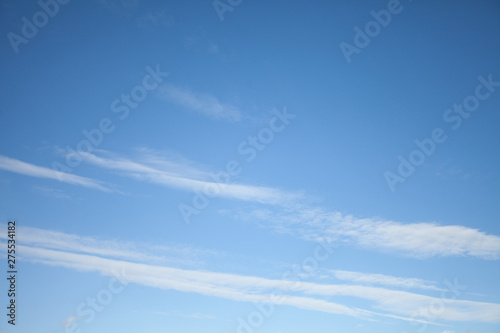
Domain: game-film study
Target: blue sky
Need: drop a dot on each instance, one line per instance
(240, 166)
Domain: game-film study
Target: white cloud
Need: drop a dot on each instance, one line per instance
(229, 286)
(172, 254)
(38, 246)
(400, 305)
(200, 102)
(158, 170)
(420, 240)
(387, 280)
(155, 168)
(23, 168)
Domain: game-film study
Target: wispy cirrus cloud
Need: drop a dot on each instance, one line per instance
(206, 283)
(172, 254)
(28, 169)
(202, 103)
(387, 280)
(52, 193)
(89, 254)
(384, 302)
(156, 169)
(418, 240)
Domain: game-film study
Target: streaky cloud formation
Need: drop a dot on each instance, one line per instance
(418, 240)
(158, 170)
(38, 246)
(172, 254)
(291, 214)
(401, 305)
(203, 103)
(28, 169)
(387, 280)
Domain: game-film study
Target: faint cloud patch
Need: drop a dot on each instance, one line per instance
(155, 19)
(199, 43)
(69, 321)
(187, 315)
(203, 103)
(447, 170)
(190, 42)
(124, 7)
(53, 193)
(213, 48)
